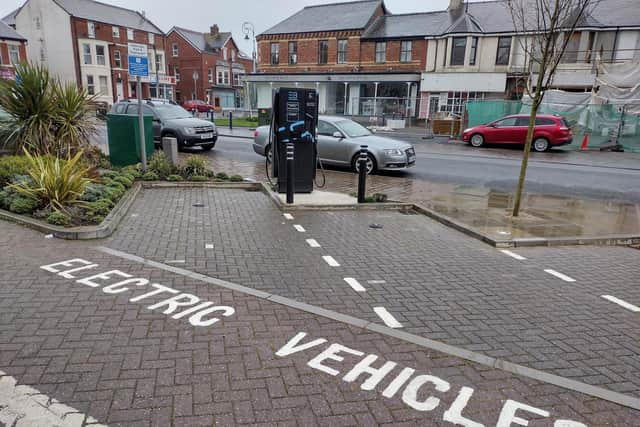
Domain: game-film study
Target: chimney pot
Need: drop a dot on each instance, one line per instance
(215, 29)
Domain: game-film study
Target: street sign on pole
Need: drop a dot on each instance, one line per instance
(138, 60)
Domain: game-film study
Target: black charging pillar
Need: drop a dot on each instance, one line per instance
(295, 119)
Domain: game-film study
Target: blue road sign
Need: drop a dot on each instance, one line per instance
(138, 60)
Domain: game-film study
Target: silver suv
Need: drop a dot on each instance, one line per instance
(170, 120)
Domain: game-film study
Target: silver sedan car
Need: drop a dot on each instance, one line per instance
(339, 141)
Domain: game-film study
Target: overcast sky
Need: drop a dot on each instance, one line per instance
(230, 14)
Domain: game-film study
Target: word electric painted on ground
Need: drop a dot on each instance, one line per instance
(417, 390)
(180, 305)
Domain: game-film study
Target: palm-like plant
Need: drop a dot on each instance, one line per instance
(44, 115)
(57, 183)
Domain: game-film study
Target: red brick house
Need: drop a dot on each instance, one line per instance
(85, 42)
(207, 66)
(361, 59)
(12, 50)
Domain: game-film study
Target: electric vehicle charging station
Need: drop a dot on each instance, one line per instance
(295, 120)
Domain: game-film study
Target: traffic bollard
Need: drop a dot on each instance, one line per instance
(290, 173)
(362, 173)
(230, 120)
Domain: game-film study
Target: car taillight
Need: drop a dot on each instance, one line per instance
(255, 134)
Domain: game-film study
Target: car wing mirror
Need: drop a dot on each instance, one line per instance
(338, 135)
(491, 125)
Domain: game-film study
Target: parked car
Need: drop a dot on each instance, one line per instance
(339, 141)
(170, 120)
(549, 131)
(196, 104)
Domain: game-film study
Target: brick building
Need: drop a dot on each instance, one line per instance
(207, 66)
(362, 59)
(85, 42)
(12, 50)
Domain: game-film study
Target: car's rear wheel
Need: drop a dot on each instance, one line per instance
(268, 153)
(476, 140)
(540, 145)
(371, 164)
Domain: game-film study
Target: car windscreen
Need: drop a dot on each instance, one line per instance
(168, 112)
(353, 129)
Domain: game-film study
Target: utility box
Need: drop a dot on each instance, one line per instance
(123, 133)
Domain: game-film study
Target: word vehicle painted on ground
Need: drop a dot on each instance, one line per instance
(115, 282)
(416, 391)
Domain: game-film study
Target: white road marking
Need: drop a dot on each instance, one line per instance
(560, 275)
(288, 216)
(299, 228)
(208, 246)
(387, 318)
(513, 255)
(25, 406)
(376, 282)
(622, 303)
(313, 243)
(354, 284)
(175, 261)
(329, 260)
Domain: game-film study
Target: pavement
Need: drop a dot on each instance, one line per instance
(229, 314)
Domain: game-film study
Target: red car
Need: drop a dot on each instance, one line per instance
(550, 131)
(196, 104)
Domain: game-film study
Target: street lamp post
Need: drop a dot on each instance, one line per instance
(248, 28)
(195, 84)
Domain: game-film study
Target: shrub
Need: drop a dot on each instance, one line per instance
(222, 176)
(10, 166)
(45, 115)
(379, 197)
(193, 166)
(209, 173)
(93, 156)
(150, 176)
(198, 178)
(114, 193)
(252, 119)
(94, 192)
(236, 178)
(124, 181)
(175, 178)
(133, 170)
(160, 165)
(56, 182)
(99, 207)
(109, 174)
(97, 219)
(23, 205)
(116, 185)
(58, 218)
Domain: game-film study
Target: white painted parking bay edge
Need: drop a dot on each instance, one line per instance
(387, 317)
(355, 285)
(560, 275)
(622, 303)
(313, 243)
(331, 261)
(513, 255)
(299, 228)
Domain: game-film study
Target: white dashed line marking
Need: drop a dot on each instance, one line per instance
(376, 282)
(354, 284)
(622, 303)
(513, 255)
(208, 246)
(288, 216)
(387, 318)
(560, 275)
(175, 261)
(299, 228)
(329, 260)
(313, 243)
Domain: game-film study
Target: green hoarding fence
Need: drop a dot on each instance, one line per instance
(124, 134)
(599, 121)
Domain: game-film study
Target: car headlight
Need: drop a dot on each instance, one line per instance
(189, 131)
(467, 130)
(395, 153)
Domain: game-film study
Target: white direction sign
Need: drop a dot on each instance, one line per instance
(138, 60)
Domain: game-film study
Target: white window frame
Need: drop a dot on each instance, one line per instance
(91, 85)
(220, 77)
(341, 55)
(381, 54)
(233, 55)
(14, 54)
(103, 56)
(104, 90)
(210, 75)
(152, 38)
(174, 50)
(224, 53)
(130, 34)
(115, 32)
(91, 29)
(406, 51)
(226, 77)
(176, 73)
(117, 59)
(87, 57)
(159, 63)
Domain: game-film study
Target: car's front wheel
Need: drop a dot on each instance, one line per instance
(540, 145)
(371, 164)
(477, 140)
(268, 153)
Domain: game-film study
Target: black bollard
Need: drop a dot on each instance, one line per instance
(290, 173)
(230, 120)
(362, 173)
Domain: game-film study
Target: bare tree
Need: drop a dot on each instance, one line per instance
(543, 29)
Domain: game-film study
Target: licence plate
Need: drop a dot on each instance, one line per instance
(206, 136)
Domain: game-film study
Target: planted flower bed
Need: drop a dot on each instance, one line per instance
(72, 193)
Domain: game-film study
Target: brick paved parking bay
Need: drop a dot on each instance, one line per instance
(142, 340)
